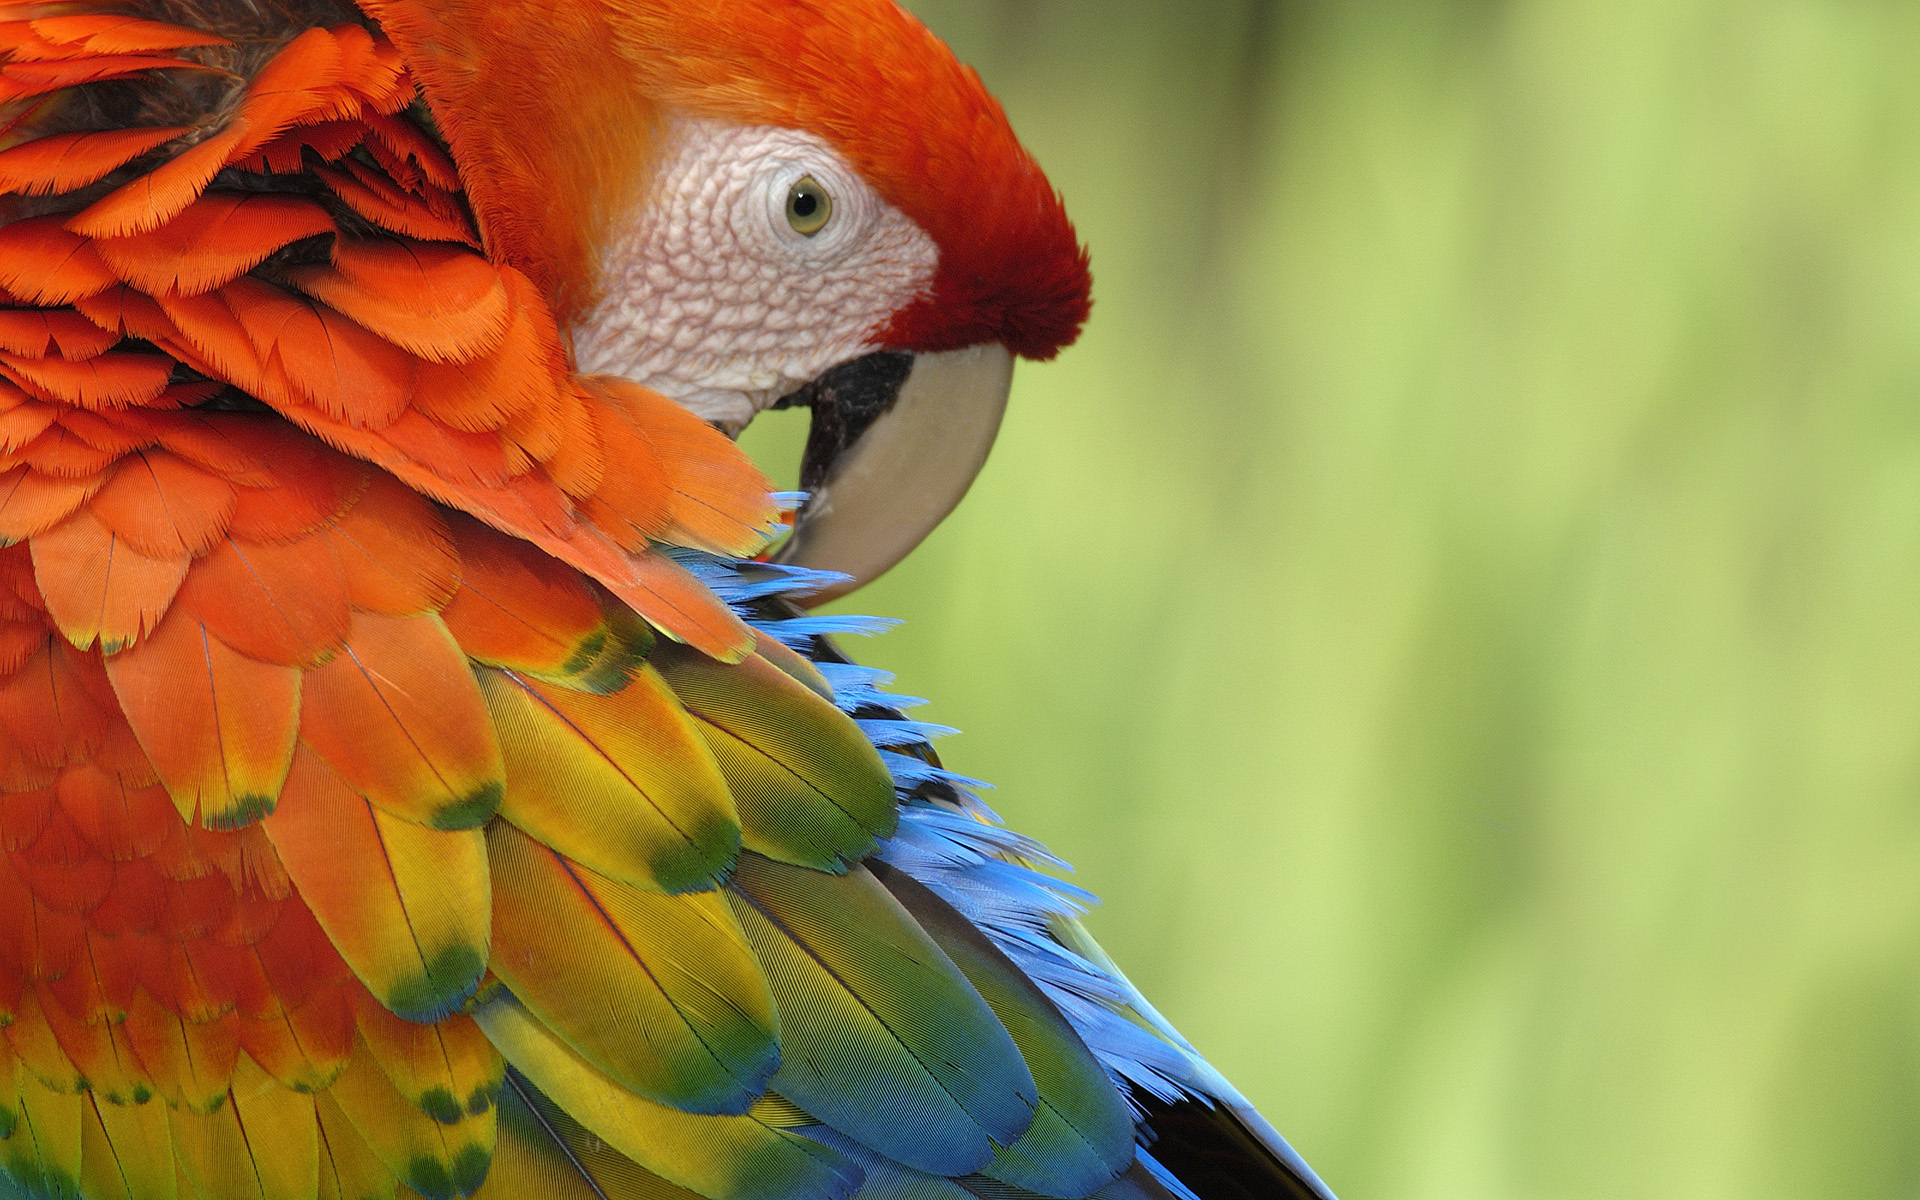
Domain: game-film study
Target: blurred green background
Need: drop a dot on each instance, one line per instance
(1460, 603)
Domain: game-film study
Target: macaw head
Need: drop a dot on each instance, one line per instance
(747, 204)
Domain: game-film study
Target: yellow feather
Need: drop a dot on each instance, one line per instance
(126, 1151)
(660, 992)
(447, 1070)
(43, 1152)
(810, 788)
(407, 906)
(438, 1161)
(620, 782)
(722, 1158)
(349, 1170)
(282, 1137)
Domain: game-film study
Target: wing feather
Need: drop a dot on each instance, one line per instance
(881, 1035)
(408, 906)
(661, 993)
(126, 1152)
(719, 1157)
(620, 782)
(810, 788)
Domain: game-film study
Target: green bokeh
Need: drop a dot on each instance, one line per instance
(1460, 603)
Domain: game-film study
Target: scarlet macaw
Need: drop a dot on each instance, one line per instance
(408, 779)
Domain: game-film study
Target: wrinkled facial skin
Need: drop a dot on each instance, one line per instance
(709, 294)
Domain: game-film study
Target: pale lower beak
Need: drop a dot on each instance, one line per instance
(884, 470)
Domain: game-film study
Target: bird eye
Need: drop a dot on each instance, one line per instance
(809, 207)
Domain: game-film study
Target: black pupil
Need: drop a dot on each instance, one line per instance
(805, 204)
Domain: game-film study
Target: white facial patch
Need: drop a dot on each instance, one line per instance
(714, 298)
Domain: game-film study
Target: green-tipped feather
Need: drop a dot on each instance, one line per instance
(881, 1035)
(1082, 1134)
(660, 992)
(810, 788)
(719, 1157)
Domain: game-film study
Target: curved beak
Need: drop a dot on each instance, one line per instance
(896, 441)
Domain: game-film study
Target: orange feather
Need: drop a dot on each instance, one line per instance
(43, 263)
(297, 83)
(61, 871)
(23, 815)
(191, 908)
(372, 69)
(324, 359)
(519, 608)
(164, 506)
(121, 310)
(211, 334)
(399, 716)
(215, 239)
(129, 911)
(720, 499)
(244, 448)
(37, 332)
(53, 707)
(304, 1047)
(301, 965)
(100, 1053)
(406, 906)
(108, 381)
(106, 973)
(25, 421)
(103, 432)
(437, 301)
(396, 551)
(287, 154)
(406, 141)
(523, 372)
(59, 451)
(679, 605)
(467, 469)
(121, 822)
(55, 841)
(483, 69)
(33, 503)
(189, 1062)
(535, 434)
(390, 208)
(632, 502)
(311, 487)
(99, 589)
(218, 726)
(22, 78)
(66, 161)
(580, 461)
(283, 603)
(113, 33)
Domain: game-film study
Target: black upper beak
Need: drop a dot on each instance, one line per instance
(846, 400)
(896, 441)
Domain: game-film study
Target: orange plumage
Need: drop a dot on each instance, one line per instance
(389, 805)
(219, 612)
